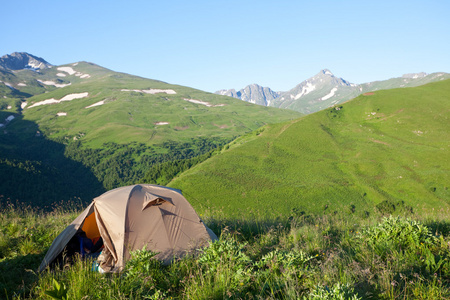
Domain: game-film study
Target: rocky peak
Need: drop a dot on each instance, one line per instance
(252, 93)
(23, 60)
(326, 72)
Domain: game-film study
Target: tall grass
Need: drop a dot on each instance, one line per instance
(329, 256)
(25, 234)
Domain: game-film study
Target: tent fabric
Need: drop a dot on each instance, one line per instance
(64, 237)
(134, 217)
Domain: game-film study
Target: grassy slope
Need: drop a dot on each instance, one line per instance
(392, 145)
(131, 116)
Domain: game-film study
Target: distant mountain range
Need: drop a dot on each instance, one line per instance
(324, 90)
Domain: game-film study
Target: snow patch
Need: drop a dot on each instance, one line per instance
(65, 98)
(61, 74)
(23, 104)
(162, 123)
(49, 82)
(330, 94)
(8, 85)
(9, 107)
(151, 91)
(21, 84)
(74, 96)
(71, 71)
(96, 104)
(202, 102)
(327, 72)
(308, 88)
(60, 114)
(34, 65)
(9, 119)
(68, 70)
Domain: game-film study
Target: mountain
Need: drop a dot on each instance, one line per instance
(325, 90)
(76, 128)
(23, 60)
(316, 93)
(84, 97)
(252, 93)
(388, 148)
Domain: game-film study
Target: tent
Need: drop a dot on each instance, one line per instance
(131, 217)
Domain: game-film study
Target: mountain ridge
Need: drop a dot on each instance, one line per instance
(325, 89)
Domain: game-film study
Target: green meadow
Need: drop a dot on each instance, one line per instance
(321, 256)
(133, 116)
(388, 148)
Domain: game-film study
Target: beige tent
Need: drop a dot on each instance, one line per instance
(131, 217)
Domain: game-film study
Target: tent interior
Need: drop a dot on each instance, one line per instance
(74, 247)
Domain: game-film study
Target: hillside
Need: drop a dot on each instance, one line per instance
(387, 148)
(80, 121)
(115, 107)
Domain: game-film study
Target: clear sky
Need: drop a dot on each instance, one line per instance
(222, 44)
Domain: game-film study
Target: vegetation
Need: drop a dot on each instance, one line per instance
(124, 164)
(323, 256)
(54, 171)
(133, 137)
(387, 149)
(133, 115)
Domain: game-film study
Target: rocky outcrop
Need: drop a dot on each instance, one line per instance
(23, 60)
(253, 93)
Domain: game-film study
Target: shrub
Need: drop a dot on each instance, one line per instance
(336, 292)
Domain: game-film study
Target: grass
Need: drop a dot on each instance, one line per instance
(131, 116)
(389, 146)
(322, 256)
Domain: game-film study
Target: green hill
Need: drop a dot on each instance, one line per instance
(80, 126)
(135, 109)
(387, 148)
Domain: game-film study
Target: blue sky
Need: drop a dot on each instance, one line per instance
(222, 44)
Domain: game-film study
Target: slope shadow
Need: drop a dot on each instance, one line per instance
(18, 273)
(35, 171)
